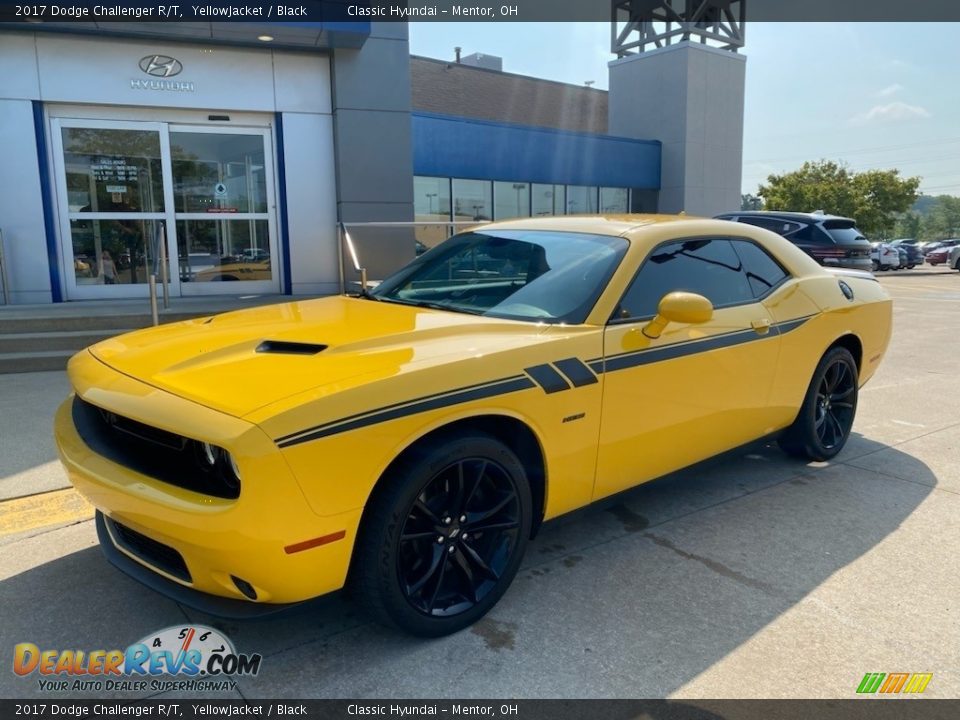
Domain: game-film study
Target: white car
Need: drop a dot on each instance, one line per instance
(953, 259)
(884, 256)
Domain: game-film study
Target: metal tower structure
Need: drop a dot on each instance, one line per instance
(640, 25)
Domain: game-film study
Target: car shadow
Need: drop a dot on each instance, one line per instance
(634, 597)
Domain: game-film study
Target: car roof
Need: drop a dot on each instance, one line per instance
(597, 224)
(806, 216)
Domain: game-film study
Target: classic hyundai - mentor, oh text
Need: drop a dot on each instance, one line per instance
(406, 442)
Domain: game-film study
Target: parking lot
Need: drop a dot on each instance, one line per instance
(753, 575)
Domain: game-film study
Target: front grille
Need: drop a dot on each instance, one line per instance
(163, 557)
(150, 451)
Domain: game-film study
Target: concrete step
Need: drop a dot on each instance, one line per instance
(52, 341)
(85, 323)
(21, 362)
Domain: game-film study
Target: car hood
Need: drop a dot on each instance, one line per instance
(241, 361)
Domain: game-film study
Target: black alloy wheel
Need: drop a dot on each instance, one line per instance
(459, 536)
(443, 536)
(833, 413)
(826, 416)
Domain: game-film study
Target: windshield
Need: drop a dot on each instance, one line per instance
(517, 274)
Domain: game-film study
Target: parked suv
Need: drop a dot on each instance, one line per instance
(830, 240)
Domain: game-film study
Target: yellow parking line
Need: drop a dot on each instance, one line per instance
(34, 512)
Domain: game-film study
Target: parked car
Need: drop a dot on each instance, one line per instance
(884, 256)
(953, 259)
(830, 240)
(409, 440)
(938, 256)
(911, 255)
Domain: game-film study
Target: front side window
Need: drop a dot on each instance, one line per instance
(520, 275)
(707, 267)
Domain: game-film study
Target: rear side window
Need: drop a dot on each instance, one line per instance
(844, 231)
(762, 271)
(707, 267)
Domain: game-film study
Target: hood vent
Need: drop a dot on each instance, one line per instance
(282, 347)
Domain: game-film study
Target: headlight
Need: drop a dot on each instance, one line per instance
(209, 453)
(233, 464)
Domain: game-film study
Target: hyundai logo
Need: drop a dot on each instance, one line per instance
(162, 66)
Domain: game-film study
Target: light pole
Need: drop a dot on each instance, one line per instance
(430, 197)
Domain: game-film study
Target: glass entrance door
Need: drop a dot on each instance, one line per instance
(204, 193)
(114, 206)
(222, 187)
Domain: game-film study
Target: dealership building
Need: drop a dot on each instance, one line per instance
(235, 150)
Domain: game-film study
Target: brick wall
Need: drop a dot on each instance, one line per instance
(448, 88)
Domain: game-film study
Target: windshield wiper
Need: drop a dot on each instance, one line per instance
(434, 306)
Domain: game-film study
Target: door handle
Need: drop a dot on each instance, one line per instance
(761, 327)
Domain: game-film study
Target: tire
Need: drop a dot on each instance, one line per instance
(876, 265)
(470, 494)
(829, 407)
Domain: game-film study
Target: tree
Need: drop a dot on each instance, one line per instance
(942, 220)
(873, 198)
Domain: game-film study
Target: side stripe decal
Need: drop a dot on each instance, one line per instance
(498, 388)
(545, 376)
(549, 379)
(636, 358)
(578, 373)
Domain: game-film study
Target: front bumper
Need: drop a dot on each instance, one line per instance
(217, 539)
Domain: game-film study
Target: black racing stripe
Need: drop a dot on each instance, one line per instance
(549, 379)
(578, 373)
(677, 350)
(284, 438)
(787, 325)
(690, 347)
(500, 388)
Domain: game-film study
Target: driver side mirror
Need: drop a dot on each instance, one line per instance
(679, 307)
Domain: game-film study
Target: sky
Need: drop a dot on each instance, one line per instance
(874, 95)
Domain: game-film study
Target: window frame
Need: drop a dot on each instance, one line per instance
(613, 320)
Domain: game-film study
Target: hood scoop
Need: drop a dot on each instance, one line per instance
(284, 347)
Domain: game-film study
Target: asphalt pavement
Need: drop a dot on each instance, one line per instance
(753, 575)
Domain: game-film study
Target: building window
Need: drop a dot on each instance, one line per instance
(431, 198)
(511, 200)
(613, 200)
(472, 200)
(548, 199)
(581, 199)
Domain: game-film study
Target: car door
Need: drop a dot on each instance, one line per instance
(697, 389)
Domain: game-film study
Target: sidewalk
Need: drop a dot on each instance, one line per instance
(28, 402)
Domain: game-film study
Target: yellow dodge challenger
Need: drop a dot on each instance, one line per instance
(408, 441)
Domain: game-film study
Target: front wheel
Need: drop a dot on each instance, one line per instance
(826, 416)
(444, 538)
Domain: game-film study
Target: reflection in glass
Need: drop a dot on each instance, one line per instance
(431, 203)
(613, 200)
(548, 199)
(472, 200)
(511, 200)
(219, 250)
(581, 199)
(215, 172)
(115, 252)
(431, 198)
(112, 170)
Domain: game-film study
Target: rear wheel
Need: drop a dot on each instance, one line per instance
(823, 424)
(443, 540)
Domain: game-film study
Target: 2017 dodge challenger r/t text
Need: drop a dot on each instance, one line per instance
(408, 441)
